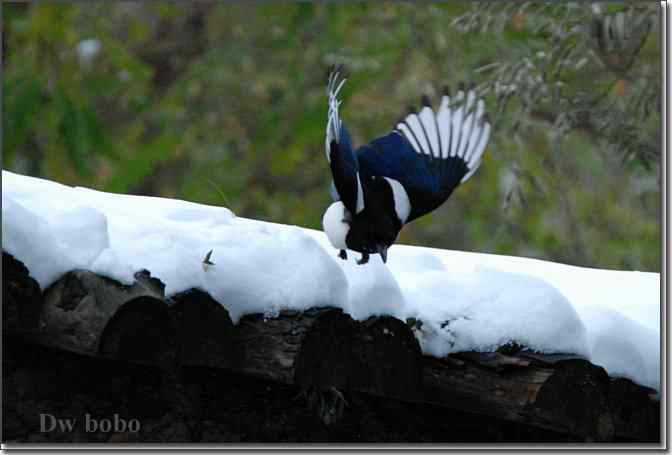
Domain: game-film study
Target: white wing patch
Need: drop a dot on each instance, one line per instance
(459, 128)
(333, 120)
(402, 204)
(360, 196)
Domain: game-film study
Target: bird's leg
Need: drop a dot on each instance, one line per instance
(364, 259)
(343, 255)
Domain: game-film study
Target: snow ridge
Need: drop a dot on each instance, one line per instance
(466, 301)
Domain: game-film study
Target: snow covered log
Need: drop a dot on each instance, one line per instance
(323, 349)
(555, 392)
(89, 314)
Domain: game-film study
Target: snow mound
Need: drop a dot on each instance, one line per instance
(259, 267)
(466, 301)
(480, 308)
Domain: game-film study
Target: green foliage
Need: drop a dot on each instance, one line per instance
(577, 69)
(224, 103)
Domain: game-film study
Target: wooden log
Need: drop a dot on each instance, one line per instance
(636, 410)
(205, 332)
(269, 346)
(575, 396)
(93, 315)
(325, 349)
(563, 394)
(325, 355)
(21, 298)
(388, 359)
(140, 331)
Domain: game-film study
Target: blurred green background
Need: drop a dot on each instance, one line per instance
(224, 103)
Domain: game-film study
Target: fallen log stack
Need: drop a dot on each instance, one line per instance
(90, 346)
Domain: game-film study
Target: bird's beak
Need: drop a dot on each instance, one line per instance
(382, 250)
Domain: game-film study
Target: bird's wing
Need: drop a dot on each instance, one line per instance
(346, 184)
(432, 151)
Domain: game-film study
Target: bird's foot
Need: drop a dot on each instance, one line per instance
(364, 259)
(343, 255)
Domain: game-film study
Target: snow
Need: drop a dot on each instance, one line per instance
(466, 301)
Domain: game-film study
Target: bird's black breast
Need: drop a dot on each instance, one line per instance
(378, 223)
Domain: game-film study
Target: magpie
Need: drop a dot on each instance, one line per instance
(383, 185)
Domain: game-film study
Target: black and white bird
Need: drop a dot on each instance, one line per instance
(381, 186)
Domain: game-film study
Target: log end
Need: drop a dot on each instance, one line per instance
(141, 331)
(576, 395)
(325, 356)
(380, 355)
(387, 358)
(205, 331)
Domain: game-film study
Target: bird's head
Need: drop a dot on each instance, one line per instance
(336, 224)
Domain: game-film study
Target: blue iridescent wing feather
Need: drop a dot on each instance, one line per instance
(427, 182)
(431, 152)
